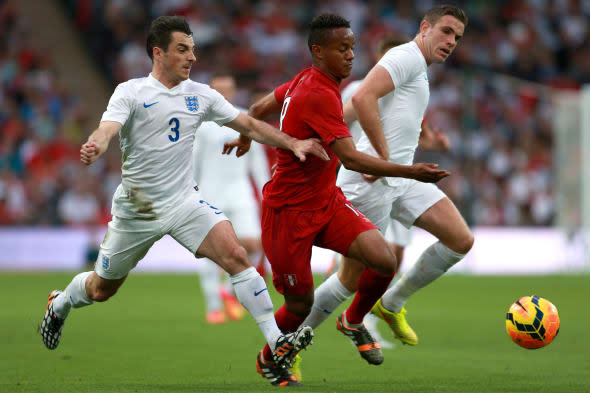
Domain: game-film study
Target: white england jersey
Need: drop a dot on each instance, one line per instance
(225, 179)
(402, 111)
(157, 138)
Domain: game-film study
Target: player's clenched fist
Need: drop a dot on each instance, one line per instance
(89, 152)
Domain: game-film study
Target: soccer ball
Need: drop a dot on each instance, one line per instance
(532, 322)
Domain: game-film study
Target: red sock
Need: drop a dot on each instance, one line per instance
(372, 286)
(287, 322)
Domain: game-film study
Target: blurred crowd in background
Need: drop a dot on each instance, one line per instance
(490, 98)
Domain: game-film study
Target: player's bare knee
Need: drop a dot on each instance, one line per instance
(384, 262)
(237, 257)
(251, 245)
(465, 243)
(388, 266)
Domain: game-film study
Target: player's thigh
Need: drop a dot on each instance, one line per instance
(371, 249)
(191, 223)
(287, 239)
(125, 243)
(417, 199)
(221, 246)
(351, 234)
(444, 221)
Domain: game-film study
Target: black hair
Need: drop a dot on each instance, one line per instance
(160, 33)
(320, 28)
(434, 14)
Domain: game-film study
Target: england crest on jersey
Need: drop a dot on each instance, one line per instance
(192, 103)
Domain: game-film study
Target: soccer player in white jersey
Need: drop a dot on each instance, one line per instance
(156, 118)
(225, 179)
(397, 235)
(389, 105)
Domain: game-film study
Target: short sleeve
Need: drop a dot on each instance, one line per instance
(120, 105)
(281, 91)
(221, 111)
(323, 113)
(400, 65)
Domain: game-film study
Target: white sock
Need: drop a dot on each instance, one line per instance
(73, 296)
(210, 284)
(227, 285)
(432, 264)
(327, 297)
(252, 292)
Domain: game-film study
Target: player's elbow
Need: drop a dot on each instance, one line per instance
(358, 99)
(256, 110)
(364, 99)
(348, 162)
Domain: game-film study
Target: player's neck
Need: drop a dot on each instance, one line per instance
(161, 77)
(325, 70)
(420, 43)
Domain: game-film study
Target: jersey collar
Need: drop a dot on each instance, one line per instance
(327, 77)
(415, 46)
(156, 83)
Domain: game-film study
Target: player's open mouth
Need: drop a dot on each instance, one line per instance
(445, 51)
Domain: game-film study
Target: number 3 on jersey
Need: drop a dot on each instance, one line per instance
(284, 111)
(174, 129)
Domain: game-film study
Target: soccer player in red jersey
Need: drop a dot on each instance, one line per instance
(302, 205)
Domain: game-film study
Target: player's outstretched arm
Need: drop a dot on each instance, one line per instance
(98, 141)
(354, 160)
(268, 135)
(260, 110)
(365, 103)
(265, 107)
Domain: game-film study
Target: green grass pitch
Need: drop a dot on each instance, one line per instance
(151, 337)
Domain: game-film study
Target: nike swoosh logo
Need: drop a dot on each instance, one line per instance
(259, 292)
(147, 106)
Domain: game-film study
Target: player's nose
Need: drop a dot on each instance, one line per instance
(350, 54)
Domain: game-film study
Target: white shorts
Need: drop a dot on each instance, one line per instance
(398, 234)
(128, 240)
(379, 201)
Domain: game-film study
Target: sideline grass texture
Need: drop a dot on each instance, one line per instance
(152, 337)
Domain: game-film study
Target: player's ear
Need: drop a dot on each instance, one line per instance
(316, 51)
(424, 25)
(157, 52)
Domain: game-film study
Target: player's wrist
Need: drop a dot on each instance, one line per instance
(245, 139)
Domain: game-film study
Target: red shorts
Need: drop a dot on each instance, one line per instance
(288, 236)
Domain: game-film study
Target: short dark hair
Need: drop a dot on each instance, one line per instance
(320, 28)
(390, 41)
(160, 33)
(434, 14)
